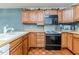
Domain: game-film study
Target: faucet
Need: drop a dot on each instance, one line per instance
(5, 29)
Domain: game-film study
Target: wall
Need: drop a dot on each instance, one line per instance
(12, 17)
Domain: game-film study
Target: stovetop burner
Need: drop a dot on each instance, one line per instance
(51, 32)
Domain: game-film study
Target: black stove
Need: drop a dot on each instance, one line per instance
(53, 41)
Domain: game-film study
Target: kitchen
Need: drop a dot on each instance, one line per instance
(39, 29)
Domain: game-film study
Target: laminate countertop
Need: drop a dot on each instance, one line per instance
(73, 32)
(5, 40)
(8, 40)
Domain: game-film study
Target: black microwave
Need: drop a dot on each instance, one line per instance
(51, 19)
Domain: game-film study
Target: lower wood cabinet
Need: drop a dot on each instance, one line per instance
(76, 44)
(36, 39)
(32, 39)
(64, 39)
(21, 45)
(16, 47)
(25, 44)
(70, 41)
(17, 50)
(40, 39)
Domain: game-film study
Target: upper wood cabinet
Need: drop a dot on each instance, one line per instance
(68, 15)
(40, 17)
(29, 16)
(60, 16)
(25, 17)
(76, 12)
(33, 16)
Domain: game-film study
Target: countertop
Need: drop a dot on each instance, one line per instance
(4, 42)
(74, 32)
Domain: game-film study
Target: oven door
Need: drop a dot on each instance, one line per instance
(53, 42)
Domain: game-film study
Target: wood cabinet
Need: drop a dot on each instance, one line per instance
(32, 39)
(76, 12)
(70, 41)
(25, 47)
(76, 44)
(68, 15)
(64, 40)
(40, 39)
(33, 16)
(17, 50)
(36, 39)
(26, 17)
(16, 47)
(40, 17)
(60, 16)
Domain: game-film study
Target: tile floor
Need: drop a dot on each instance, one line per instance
(42, 51)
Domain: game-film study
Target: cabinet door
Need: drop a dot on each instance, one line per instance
(68, 15)
(40, 17)
(17, 50)
(26, 16)
(32, 16)
(32, 39)
(76, 12)
(64, 40)
(60, 16)
(76, 45)
(14, 43)
(25, 45)
(70, 41)
(40, 39)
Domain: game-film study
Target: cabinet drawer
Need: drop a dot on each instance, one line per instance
(40, 41)
(40, 45)
(41, 37)
(76, 35)
(14, 43)
(40, 33)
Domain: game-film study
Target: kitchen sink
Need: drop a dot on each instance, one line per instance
(9, 36)
(15, 33)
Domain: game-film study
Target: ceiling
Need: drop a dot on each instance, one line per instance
(35, 5)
